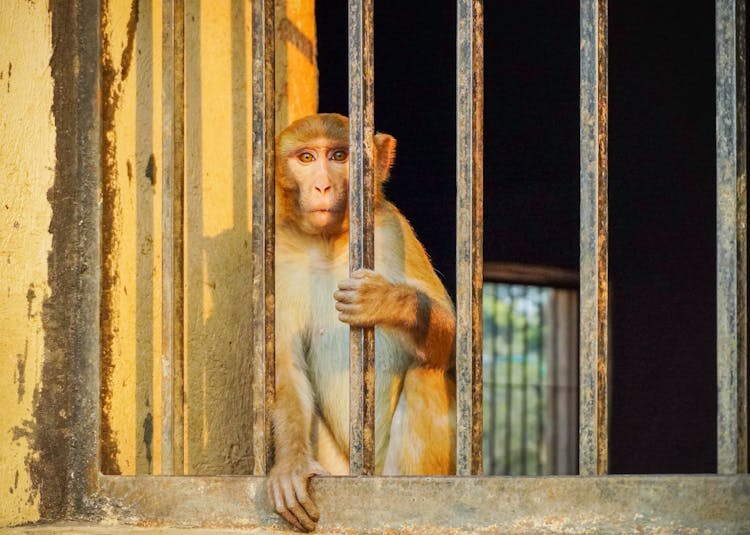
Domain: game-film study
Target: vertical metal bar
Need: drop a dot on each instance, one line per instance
(594, 236)
(493, 384)
(173, 237)
(263, 198)
(167, 264)
(541, 294)
(572, 365)
(469, 214)
(361, 231)
(509, 381)
(731, 268)
(555, 402)
(525, 382)
(179, 238)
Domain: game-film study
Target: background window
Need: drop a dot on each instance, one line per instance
(530, 360)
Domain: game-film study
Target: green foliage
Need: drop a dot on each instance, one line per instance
(515, 379)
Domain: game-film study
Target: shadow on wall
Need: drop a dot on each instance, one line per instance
(218, 256)
(218, 266)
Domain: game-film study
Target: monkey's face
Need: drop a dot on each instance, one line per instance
(320, 169)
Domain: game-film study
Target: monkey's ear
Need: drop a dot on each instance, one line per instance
(385, 153)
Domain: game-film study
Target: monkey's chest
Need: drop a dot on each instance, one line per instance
(328, 350)
(328, 363)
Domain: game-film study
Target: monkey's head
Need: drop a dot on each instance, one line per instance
(312, 172)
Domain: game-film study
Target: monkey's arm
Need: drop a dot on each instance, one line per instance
(426, 322)
(294, 465)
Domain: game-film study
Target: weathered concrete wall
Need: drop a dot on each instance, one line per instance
(27, 152)
(131, 193)
(218, 67)
(218, 234)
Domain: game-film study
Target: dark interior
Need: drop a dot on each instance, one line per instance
(661, 182)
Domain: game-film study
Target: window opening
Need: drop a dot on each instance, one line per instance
(530, 380)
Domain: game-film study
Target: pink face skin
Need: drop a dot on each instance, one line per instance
(321, 169)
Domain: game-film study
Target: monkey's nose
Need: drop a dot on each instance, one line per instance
(322, 189)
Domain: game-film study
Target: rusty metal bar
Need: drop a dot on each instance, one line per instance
(525, 381)
(173, 236)
(493, 382)
(469, 213)
(361, 231)
(509, 381)
(594, 327)
(263, 195)
(731, 254)
(541, 298)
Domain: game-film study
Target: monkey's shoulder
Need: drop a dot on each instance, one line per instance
(401, 256)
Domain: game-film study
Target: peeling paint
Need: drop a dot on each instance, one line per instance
(111, 82)
(20, 378)
(30, 296)
(151, 170)
(27, 138)
(127, 54)
(148, 437)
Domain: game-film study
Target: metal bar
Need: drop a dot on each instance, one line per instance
(525, 382)
(173, 236)
(541, 294)
(494, 382)
(731, 257)
(555, 404)
(469, 214)
(573, 373)
(361, 231)
(167, 263)
(594, 236)
(615, 504)
(509, 381)
(263, 198)
(178, 223)
(73, 306)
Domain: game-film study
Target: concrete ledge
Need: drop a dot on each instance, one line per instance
(81, 528)
(610, 504)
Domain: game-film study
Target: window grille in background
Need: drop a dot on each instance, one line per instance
(530, 378)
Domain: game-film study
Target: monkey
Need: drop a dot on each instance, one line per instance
(316, 303)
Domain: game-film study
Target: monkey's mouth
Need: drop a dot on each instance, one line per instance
(326, 211)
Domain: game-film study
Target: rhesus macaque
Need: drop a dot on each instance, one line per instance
(317, 301)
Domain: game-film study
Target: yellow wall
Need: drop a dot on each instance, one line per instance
(218, 115)
(218, 259)
(27, 149)
(131, 49)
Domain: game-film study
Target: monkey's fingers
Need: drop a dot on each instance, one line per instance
(345, 296)
(304, 499)
(280, 507)
(292, 503)
(350, 284)
(361, 273)
(316, 469)
(353, 315)
(356, 320)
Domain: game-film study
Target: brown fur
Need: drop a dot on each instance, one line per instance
(317, 301)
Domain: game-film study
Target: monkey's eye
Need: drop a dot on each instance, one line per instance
(305, 157)
(339, 155)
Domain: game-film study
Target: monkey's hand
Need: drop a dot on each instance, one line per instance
(288, 490)
(368, 299)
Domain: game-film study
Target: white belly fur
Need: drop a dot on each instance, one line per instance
(328, 367)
